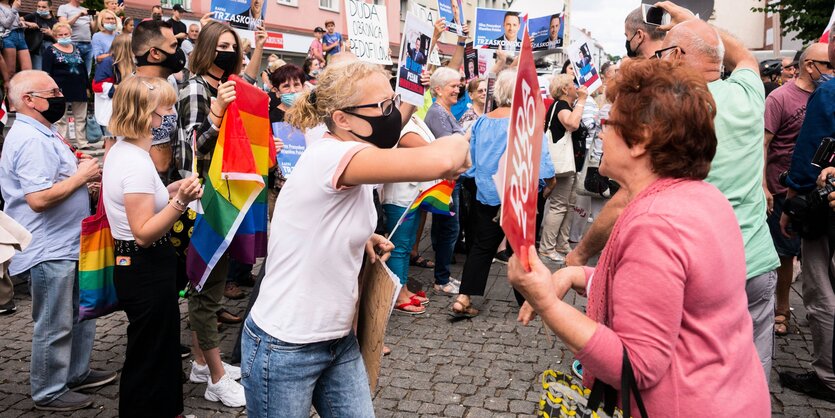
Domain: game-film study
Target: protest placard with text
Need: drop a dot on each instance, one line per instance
(414, 49)
(368, 31)
(428, 15)
(294, 146)
(520, 179)
(240, 14)
(547, 32)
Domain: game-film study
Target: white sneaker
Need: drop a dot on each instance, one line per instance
(227, 391)
(201, 374)
(554, 256)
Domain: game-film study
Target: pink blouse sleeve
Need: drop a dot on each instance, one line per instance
(648, 298)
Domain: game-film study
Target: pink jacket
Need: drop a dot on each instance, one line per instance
(678, 305)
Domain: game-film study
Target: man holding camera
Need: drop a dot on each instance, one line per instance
(818, 295)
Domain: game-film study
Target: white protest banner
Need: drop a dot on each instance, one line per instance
(429, 16)
(414, 49)
(368, 31)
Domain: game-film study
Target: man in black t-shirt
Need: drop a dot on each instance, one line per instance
(41, 38)
(179, 28)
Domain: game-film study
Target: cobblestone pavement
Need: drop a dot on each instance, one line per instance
(484, 367)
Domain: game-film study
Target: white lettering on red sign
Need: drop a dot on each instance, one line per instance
(522, 164)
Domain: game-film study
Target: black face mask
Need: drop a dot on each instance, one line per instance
(632, 53)
(385, 130)
(174, 62)
(55, 111)
(226, 61)
(157, 16)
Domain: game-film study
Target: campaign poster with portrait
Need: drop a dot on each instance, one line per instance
(414, 54)
(294, 146)
(584, 68)
(499, 29)
(547, 32)
(427, 14)
(240, 14)
(470, 62)
(453, 12)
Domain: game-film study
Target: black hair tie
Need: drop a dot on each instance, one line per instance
(311, 98)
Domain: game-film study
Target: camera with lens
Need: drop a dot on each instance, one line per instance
(810, 214)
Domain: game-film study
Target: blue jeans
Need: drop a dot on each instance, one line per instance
(86, 51)
(283, 379)
(37, 59)
(61, 347)
(444, 235)
(403, 240)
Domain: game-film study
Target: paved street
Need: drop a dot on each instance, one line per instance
(485, 367)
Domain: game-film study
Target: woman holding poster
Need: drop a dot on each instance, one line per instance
(299, 347)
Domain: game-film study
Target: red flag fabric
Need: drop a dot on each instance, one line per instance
(524, 148)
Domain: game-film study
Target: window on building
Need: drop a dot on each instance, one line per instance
(332, 5)
(294, 3)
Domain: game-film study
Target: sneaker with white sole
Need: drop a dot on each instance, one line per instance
(201, 374)
(554, 256)
(227, 391)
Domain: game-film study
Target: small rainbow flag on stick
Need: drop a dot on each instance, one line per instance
(435, 199)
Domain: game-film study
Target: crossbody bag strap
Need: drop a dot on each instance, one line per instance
(627, 383)
(551, 118)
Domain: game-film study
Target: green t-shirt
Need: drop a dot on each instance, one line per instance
(737, 168)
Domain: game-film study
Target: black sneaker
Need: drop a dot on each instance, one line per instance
(95, 379)
(184, 351)
(501, 257)
(8, 308)
(808, 383)
(69, 401)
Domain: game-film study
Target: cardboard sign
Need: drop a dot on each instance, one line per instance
(429, 16)
(379, 292)
(368, 31)
(584, 67)
(240, 14)
(470, 62)
(294, 146)
(547, 32)
(499, 29)
(453, 12)
(414, 50)
(522, 157)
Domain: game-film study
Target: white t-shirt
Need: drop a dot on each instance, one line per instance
(402, 194)
(128, 169)
(315, 251)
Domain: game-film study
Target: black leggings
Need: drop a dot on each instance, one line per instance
(151, 383)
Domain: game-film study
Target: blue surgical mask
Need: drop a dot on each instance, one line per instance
(315, 73)
(64, 41)
(288, 98)
(43, 13)
(168, 125)
(109, 27)
(823, 79)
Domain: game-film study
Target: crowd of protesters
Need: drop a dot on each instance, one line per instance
(685, 161)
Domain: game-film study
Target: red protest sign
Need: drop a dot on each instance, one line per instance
(521, 159)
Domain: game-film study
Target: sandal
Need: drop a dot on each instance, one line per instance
(466, 311)
(420, 296)
(781, 323)
(412, 303)
(421, 262)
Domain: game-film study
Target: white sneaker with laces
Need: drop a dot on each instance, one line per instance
(554, 256)
(227, 391)
(201, 374)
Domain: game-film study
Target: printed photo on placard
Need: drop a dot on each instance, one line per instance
(470, 62)
(414, 53)
(453, 12)
(240, 14)
(547, 32)
(429, 15)
(499, 29)
(584, 68)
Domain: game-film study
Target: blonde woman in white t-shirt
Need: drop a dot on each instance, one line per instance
(140, 215)
(299, 348)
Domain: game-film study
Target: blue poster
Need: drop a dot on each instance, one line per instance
(546, 32)
(241, 14)
(499, 29)
(294, 146)
(453, 12)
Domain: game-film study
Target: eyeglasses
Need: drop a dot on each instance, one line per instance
(608, 123)
(386, 106)
(827, 64)
(479, 91)
(660, 53)
(56, 92)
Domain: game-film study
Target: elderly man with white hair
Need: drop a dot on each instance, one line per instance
(44, 183)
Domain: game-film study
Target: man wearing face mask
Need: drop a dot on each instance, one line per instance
(45, 20)
(642, 39)
(156, 13)
(785, 109)
(157, 55)
(44, 183)
(818, 297)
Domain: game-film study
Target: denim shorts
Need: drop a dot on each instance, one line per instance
(15, 40)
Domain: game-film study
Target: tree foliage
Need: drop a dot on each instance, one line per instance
(808, 17)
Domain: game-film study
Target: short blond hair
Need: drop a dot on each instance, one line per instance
(135, 102)
(336, 89)
(558, 83)
(60, 25)
(100, 19)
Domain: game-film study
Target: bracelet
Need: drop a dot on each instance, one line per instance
(462, 44)
(182, 207)
(213, 113)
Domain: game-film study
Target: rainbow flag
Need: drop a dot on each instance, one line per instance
(435, 199)
(234, 215)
